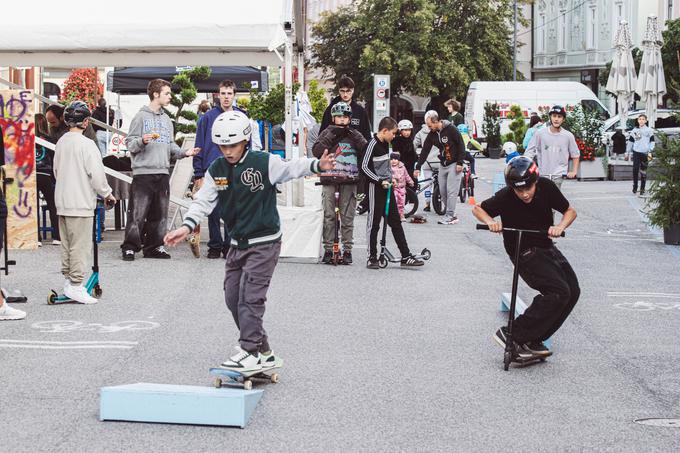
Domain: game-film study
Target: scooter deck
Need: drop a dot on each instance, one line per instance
(521, 363)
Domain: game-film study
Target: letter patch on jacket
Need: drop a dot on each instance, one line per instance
(253, 179)
(221, 182)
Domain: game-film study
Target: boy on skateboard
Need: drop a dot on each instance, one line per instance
(528, 202)
(345, 143)
(242, 184)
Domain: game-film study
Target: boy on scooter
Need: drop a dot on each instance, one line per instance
(80, 178)
(378, 169)
(528, 202)
(344, 143)
(243, 185)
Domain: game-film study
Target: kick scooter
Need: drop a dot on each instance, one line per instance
(386, 256)
(510, 353)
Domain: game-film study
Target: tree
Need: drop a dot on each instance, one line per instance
(429, 47)
(185, 82)
(82, 84)
(518, 127)
(317, 97)
(270, 106)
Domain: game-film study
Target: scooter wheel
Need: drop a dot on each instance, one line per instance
(382, 262)
(217, 383)
(97, 291)
(248, 385)
(51, 298)
(426, 254)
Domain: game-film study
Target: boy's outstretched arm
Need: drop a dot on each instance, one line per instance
(204, 203)
(282, 171)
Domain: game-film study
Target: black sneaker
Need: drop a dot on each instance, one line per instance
(214, 253)
(327, 257)
(427, 208)
(411, 261)
(501, 336)
(128, 255)
(538, 348)
(373, 263)
(347, 257)
(634, 189)
(158, 252)
(521, 352)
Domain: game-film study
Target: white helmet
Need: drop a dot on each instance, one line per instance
(230, 128)
(405, 124)
(509, 147)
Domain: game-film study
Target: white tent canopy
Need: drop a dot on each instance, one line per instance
(136, 33)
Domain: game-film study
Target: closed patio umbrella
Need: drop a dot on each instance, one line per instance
(651, 84)
(622, 78)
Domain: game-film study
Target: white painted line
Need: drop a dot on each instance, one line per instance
(68, 342)
(642, 294)
(42, 346)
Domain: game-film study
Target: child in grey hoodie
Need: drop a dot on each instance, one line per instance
(151, 145)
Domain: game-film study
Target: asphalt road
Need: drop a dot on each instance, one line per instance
(390, 360)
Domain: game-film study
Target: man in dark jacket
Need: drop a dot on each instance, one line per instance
(445, 136)
(217, 244)
(360, 119)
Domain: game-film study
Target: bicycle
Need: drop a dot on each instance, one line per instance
(467, 184)
(412, 201)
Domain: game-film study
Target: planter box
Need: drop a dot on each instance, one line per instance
(671, 235)
(622, 170)
(494, 153)
(591, 169)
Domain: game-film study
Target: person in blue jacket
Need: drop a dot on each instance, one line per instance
(218, 245)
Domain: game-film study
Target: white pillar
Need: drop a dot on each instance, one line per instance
(288, 100)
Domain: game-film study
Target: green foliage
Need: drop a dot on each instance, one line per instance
(586, 125)
(664, 194)
(518, 127)
(670, 54)
(185, 82)
(270, 106)
(317, 97)
(491, 126)
(243, 103)
(429, 47)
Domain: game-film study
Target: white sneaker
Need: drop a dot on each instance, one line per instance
(79, 294)
(67, 283)
(56, 242)
(269, 360)
(447, 220)
(8, 313)
(243, 361)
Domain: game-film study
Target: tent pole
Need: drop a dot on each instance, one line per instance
(288, 85)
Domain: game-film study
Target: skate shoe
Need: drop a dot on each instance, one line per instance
(521, 352)
(158, 252)
(78, 293)
(243, 361)
(538, 348)
(327, 257)
(411, 261)
(427, 208)
(346, 257)
(448, 220)
(128, 255)
(373, 263)
(268, 359)
(8, 313)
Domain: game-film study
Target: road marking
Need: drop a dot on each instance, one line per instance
(643, 294)
(648, 306)
(61, 326)
(39, 344)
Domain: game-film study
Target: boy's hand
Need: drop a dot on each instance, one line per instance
(110, 201)
(571, 175)
(192, 152)
(555, 231)
(495, 227)
(385, 184)
(146, 138)
(176, 236)
(416, 174)
(327, 161)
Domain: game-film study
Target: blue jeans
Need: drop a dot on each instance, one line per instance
(216, 242)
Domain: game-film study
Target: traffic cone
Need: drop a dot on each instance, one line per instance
(471, 201)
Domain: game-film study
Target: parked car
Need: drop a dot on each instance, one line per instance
(667, 123)
(533, 96)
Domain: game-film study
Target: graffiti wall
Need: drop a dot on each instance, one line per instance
(18, 129)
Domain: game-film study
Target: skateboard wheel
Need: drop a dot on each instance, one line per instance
(217, 383)
(274, 378)
(192, 240)
(248, 385)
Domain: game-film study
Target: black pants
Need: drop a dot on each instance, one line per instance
(46, 187)
(147, 212)
(640, 162)
(548, 272)
(376, 210)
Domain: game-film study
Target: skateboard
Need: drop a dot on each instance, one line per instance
(245, 379)
(194, 238)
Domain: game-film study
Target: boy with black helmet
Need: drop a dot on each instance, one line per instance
(80, 176)
(242, 184)
(527, 203)
(345, 143)
(553, 146)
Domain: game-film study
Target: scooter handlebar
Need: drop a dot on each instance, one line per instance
(481, 226)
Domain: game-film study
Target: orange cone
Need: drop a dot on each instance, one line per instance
(471, 201)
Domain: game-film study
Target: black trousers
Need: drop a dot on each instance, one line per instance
(547, 271)
(45, 185)
(147, 216)
(377, 196)
(640, 162)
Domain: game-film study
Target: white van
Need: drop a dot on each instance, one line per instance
(531, 96)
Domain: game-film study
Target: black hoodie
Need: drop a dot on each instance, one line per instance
(359, 119)
(404, 146)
